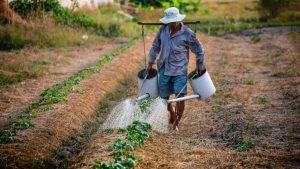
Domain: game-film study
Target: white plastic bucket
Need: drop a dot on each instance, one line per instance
(202, 85)
(150, 85)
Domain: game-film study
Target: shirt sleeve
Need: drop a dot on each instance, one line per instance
(156, 46)
(197, 48)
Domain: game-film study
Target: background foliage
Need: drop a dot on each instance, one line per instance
(273, 7)
(182, 5)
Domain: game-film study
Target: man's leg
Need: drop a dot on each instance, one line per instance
(165, 90)
(172, 113)
(179, 109)
(180, 83)
(171, 110)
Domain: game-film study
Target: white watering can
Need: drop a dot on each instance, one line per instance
(148, 84)
(202, 86)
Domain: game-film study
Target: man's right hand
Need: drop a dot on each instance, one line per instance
(149, 68)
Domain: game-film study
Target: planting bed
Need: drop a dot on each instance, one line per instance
(33, 145)
(251, 122)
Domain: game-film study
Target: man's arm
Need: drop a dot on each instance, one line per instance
(155, 49)
(197, 48)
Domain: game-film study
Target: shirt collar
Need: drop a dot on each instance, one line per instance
(178, 32)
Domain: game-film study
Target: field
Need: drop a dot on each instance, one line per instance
(55, 98)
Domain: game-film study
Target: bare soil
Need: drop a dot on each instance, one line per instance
(256, 105)
(58, 65)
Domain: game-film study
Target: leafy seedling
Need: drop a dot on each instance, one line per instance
(22, 125)
(243, 146)
(109, 131)
(261, 100)
(6, 136)
(255, 38)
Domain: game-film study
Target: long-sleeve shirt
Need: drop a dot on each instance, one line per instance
(174, 50)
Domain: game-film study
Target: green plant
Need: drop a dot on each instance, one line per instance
(22, 125)
(248, 81)
(136, 133)
(255, 38)
(243, 146)
(63, 15)
(25, 7)
(6, 136)
(120, 130)
(261, 100)
(11, 40)
(144, 105)
(109, 131)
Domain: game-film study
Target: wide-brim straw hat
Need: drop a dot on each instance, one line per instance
(172, 15)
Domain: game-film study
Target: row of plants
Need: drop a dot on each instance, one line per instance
(136, 134)
(55, 94)
(220, 28)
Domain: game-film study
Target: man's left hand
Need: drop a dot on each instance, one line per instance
(201, 71)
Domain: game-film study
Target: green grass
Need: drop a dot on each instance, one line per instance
(248, 81)
(18, 71)
(127, 27)
(42, 31)
(216, 19)
(219, 18)
(7, 80)
(285, 73)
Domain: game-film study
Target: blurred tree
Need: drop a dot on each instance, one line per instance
(272, 8)
(3, 7)
(7, 15)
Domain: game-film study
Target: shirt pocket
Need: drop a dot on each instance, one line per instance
(178, 58)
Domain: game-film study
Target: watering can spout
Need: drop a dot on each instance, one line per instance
(142, 97)
(184, 98)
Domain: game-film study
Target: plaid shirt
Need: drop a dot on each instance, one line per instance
(174, 50)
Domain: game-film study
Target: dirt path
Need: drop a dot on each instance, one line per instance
(62, 64)
(255, 110)
(212, 129)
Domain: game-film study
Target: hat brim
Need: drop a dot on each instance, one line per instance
(169, 20)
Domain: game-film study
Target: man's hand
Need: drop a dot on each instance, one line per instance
(201, 71)
(149, 68)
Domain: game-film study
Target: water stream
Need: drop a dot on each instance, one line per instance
(128, 111)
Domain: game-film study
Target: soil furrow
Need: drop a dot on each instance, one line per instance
(67, 119)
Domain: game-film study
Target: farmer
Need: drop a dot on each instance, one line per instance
(173, 42)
